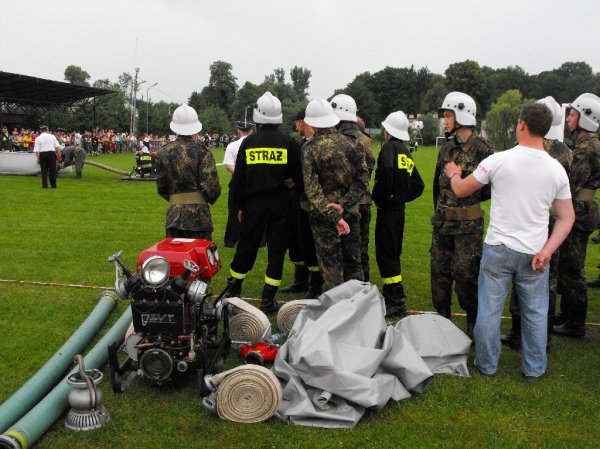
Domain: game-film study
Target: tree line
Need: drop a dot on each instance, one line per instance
(416, 91)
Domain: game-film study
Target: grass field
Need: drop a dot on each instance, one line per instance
(65, 236)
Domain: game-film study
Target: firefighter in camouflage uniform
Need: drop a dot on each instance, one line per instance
(344, 107)
(583, 120)
(456, 243)
(335, 178)
(187, 178)
(562, 153)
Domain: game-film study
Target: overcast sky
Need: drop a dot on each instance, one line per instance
(173, 42)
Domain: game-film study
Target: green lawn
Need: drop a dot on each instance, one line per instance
(65, 236)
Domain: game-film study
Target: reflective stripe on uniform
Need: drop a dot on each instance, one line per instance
(314, 269)
(392, 280)
(266, 156)
(236, 275)
(273, 282)
(298, 264)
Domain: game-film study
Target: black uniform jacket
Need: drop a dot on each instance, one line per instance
(397, 180)
(265, 159)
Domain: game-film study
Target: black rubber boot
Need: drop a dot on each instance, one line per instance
(395, 300)
(471, 318)
(300, 283)
(574, 326)
(315, 285)
(513, 338)
(445, 312)
(268, 304)
(235, 288)
(567, 330)
(594, 284)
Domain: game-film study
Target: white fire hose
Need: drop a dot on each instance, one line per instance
(246, 394)
(289, 311)
(249, 325)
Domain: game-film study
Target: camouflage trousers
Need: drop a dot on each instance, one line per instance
(571, 278)
(365, 225)
(455, 261)
(338, 256)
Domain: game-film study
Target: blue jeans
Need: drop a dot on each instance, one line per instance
(501, 266)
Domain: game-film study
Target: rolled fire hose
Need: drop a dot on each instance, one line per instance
(106, 167)
(48, 375)
(249, 325)
(245, 394)
(289, 312)
(32, 426)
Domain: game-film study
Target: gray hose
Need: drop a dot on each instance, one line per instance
(106, 167)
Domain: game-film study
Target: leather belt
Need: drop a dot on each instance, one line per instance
(585, 195)
(187, 198)
(467, 213)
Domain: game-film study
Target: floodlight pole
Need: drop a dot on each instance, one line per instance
(132, 127)
(133, 91)
(148, 104)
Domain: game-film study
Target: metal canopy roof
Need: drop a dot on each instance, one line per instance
(18, 91)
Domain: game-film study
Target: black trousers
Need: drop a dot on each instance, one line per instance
(266, 216)
(389, 232)
(307, 241)
(232, 230)
(49, 170)
(295, 249)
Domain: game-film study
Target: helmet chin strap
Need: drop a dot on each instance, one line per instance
(452, 132)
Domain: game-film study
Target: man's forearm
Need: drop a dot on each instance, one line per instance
(562, 228)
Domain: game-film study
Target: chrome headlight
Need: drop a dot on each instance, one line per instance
(155, 271)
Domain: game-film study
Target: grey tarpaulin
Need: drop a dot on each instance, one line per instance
(341, 357)
(443, 346)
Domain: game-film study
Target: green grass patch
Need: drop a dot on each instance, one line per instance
(65, 236)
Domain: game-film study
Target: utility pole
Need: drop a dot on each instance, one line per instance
(147, 104)
(133, 101)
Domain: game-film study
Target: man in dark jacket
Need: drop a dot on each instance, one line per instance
(397, 181)
(267, 165)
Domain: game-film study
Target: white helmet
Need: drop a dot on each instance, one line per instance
(557, 129)
(185, 121)
(267, 110)
(588, 106)
(396, 124)
(463, 106)
(319, 114)
(344, 107)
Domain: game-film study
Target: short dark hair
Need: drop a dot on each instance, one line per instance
(538, 118)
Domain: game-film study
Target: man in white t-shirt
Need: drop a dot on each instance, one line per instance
(525, 182)
(232, 230)
(47, 150)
